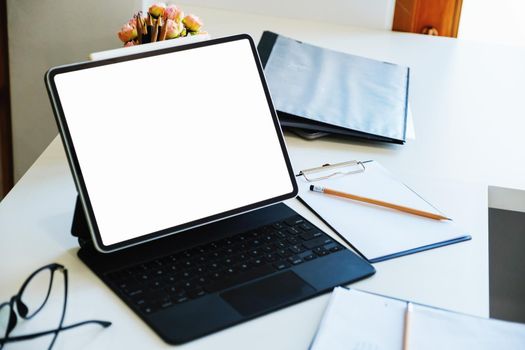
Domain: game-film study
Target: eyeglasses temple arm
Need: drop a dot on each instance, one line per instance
(40, 334)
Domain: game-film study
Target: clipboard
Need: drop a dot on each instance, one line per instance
(375, 233)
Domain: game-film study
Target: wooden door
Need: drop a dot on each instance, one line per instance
(434, 17)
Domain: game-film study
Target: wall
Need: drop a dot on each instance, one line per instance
(493, 21)
(42, 34)
(377, 14)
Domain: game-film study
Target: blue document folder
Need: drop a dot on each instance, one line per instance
(319, 89)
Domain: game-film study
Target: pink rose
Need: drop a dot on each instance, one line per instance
(173, 29)
(129, 43)
(174, 13)
(192, 22)
(157, 9)
(127, 33)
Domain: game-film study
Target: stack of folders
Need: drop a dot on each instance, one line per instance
(317, 91)
(364, 321)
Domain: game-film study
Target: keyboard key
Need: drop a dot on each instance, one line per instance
(295, 260)
(306, 236)
(140, 302)
(281, 244)
(293, 231)
(297, 248)
(310, 256)
(256, 262)
(227, 262)
(170, 269)
(292, 240)
(195, 293)
(280, 234)
(296, 220)
(281, 265)
(278, 225)
(230, 271)
(307, 255)
(255, 252)
(317, 242)
(156, 284)
(270, 257)
(175, 291)
(284, 253)
(215, 275)
(134, 292)
(269, 248)
(159, 272)
(213, 266)
(202, 280)
(330, 246)
(268, 238)
(306, 226)
(147, 309)
(180, 299)
(244, 266)
(320, 251)
(166, 304)
(144, 277)
(336, 248)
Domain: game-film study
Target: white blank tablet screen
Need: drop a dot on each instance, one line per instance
(173, 138)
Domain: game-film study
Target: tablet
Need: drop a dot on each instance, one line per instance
(163, 141)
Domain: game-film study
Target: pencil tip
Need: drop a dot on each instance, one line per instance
(311, 187)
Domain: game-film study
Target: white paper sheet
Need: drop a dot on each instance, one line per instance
(433, 329)
(355, 320)
(358, 320)
(377, 231)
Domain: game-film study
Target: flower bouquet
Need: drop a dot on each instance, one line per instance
(161, 22)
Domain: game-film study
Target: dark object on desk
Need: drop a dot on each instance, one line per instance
(317, 89)
(506, 264)
(211, 277)
(27, 305)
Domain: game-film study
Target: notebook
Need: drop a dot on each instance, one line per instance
(364, 321)
(376, 232)
(317, 89)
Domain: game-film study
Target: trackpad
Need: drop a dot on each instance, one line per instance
(268, 293)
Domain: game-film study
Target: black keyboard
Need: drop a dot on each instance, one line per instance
(215, 266)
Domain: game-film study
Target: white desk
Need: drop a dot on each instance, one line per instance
(468, 118)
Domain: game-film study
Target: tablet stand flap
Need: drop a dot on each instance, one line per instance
(79, 226)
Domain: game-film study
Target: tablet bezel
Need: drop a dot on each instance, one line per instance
(77, 173)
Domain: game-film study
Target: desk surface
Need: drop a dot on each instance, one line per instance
(468, 119)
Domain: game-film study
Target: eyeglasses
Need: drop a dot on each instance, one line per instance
(30, 300)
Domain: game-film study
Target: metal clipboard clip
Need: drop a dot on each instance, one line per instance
(329, 170)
